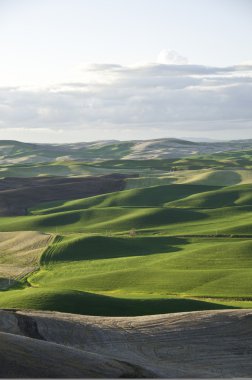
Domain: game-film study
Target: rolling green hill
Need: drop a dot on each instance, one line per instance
(144, 197)
(231, 196)
(141, 251)
(177, 238)
(149, 266)
(138, 275)
(226, 210)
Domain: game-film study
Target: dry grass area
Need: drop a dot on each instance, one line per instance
(20, 252)
(206, 344)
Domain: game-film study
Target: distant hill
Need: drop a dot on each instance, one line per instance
(15, 152)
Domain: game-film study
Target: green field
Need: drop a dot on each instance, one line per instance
(95, 274)
(178, 238)
(167, 210)
(157, 249)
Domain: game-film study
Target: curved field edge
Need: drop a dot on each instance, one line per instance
(20, 253)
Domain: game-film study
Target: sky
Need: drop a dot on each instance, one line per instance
(83, 70)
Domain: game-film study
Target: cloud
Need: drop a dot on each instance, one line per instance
(168, 100)
(171, 57)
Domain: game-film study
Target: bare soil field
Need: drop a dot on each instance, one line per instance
(19, 194)
(206, 344)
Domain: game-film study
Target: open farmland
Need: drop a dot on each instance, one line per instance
(122, 241)
(141, 251)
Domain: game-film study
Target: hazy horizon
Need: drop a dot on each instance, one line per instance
(197, 140)
(109, 69)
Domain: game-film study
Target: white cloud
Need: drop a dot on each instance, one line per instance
(171, 99)
(168, 57)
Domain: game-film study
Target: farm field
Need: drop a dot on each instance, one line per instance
(65, 345)
(134, 276)
(160, 245)
(167, 210)
(20, 254)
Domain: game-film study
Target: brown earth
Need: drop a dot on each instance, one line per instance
(205, 344)
(19, 194)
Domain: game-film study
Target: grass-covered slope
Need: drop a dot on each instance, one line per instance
(216, 177)
(155, 196)
(230, 196)
(141, 251)
(86, 303)
(149, 266)
(109, 220)
(226, 211)
(138, 275)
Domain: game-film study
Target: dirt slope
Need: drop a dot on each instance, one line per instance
(208, 344)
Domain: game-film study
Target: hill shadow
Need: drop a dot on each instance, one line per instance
(6, 283)
(103, 247)
(78, 302)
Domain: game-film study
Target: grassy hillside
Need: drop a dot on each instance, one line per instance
(153, 210)
(134, 276)
(230, 196)
(128, 252)
(149, 266)
(178, 239)
(143, 197)
(78, 302)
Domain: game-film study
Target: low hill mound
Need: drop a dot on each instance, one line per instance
(216, 178)
(154, 196)
(240, 195)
